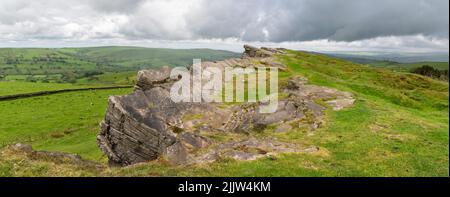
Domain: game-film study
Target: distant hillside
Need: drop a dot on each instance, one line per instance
(408, 66)
(146, 57)
(393, 65)
(70, 64)
(39, 61)
(394, 57)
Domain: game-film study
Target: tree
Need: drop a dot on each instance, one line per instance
(431, 72)
(30, 78)
(69, 77)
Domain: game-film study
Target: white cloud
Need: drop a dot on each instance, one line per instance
(325, 25)
(160, 20)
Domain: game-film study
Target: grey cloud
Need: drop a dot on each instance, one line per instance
(301, 20)
(248, 20)
(121, 6)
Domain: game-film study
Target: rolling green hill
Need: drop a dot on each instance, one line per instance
(67, 65)
(393, 65)
(398, 127)
(137, 57)
(408, 66)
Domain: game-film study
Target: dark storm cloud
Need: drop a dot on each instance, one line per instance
(302, 20)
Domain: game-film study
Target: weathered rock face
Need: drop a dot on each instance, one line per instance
(147, 124)
(263, 52)
(143, 125)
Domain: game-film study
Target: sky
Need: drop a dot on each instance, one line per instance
(314, 25)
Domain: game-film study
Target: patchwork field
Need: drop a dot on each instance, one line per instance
(69, 65)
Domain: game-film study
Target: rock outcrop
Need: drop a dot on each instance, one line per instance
(147, 124)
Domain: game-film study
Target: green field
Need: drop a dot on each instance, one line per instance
(62, 122)
(110, 78)
(399, 126)
(69, 65)
(19, 87)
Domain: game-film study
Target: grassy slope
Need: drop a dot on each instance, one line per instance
(62, 122)
(110, 78)
(18, 87)
(398, 127)
(408, 66)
